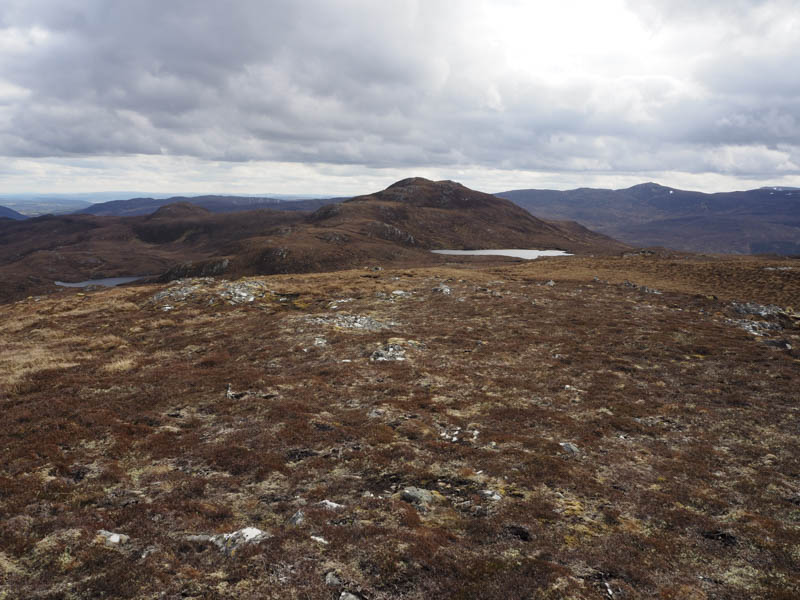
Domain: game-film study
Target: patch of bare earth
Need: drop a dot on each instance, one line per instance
(506, 430)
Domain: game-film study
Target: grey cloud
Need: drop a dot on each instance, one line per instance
(771, 72)
(398, 84)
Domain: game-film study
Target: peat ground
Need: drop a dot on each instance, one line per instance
(562, 428)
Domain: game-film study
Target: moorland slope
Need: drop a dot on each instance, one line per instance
(606, 427)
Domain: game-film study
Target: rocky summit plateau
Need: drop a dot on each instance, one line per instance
(314, 405)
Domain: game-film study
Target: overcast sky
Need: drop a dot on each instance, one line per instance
(347, 96)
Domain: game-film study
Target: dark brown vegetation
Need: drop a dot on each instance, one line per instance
(168, 412)
(400, 224)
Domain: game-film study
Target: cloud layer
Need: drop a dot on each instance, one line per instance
(604, 88)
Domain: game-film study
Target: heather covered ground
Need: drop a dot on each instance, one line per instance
(487, 428)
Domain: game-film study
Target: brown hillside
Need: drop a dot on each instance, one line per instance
(399, 225)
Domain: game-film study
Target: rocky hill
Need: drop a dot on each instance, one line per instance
(399, 225)
(765, 220)
(444, 214)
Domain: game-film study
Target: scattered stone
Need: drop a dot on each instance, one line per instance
(330, 505)
(491, 495)
(569, 448)
(395, 349)
(751, 308)
(335, 303)
(401, 294)
(113, 539)
(242, 292)
(320, 540)
(550, 283)
(180, 290)
(297, 518)
(231, 395)
(389, 352)
(417, 496)
(641, 288)
(320, 341)
(359, 322)
(442, 289)
(332, 579)
(757, 328)
(349, 596)
(229, 543)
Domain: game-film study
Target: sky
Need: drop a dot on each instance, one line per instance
(347, 96)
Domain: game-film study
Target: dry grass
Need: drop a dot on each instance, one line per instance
(106, 342)
(21, 361)
(120, 365)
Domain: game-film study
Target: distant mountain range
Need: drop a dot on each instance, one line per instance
(764, 220)
(35, 205)
(759, 221)
(217, 204)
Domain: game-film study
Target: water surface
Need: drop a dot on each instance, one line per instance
(108, 282)
(515, 252)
